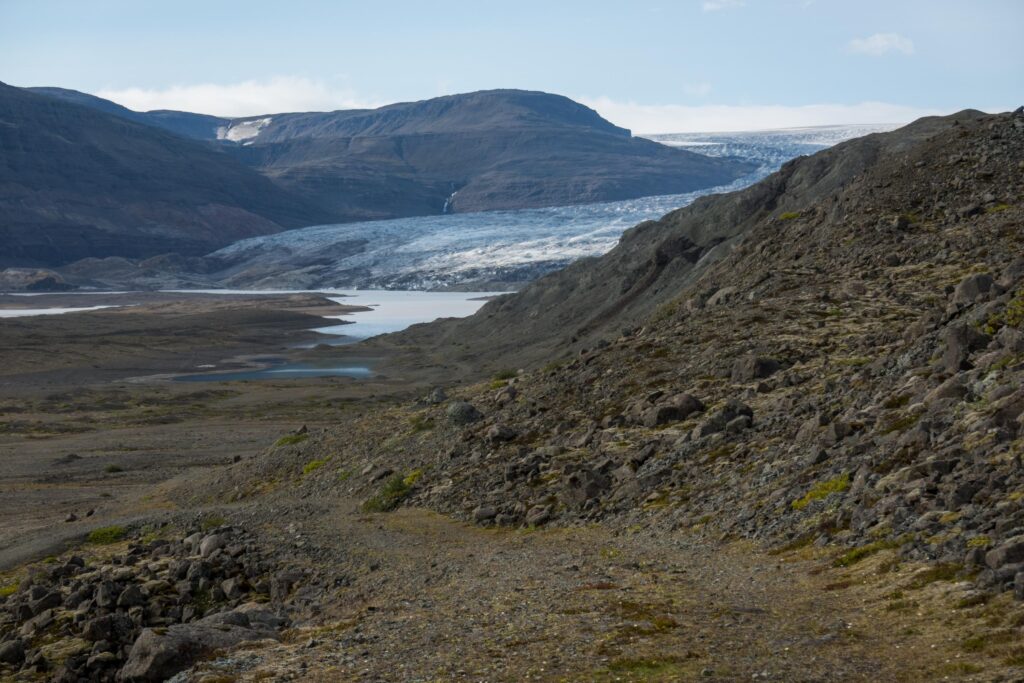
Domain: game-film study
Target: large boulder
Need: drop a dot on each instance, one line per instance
(751, 367)
(159, 654)
(675, 408)
(1009, 552)
(12, 652)
(973, 288)
(960, 341)
(660, 415)
(462, 413)
(582, 485)
(211, 543)
(499, 433)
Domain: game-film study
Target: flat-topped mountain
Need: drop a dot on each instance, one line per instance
(485, 110)
(76, 182)
(496, 149)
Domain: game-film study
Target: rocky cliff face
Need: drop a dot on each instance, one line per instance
(75, 182)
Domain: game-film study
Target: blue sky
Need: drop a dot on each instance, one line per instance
(653, 66)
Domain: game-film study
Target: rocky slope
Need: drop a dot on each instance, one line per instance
(849, 373)
(76, 182)
(144, 612)
(654, 261)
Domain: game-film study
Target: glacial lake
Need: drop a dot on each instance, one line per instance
(25, 312)
(391, 311)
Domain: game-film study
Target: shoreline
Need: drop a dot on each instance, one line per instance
(92, 419)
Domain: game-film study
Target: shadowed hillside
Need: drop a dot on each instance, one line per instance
(75, 182)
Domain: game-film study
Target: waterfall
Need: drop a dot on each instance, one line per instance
(448, 202)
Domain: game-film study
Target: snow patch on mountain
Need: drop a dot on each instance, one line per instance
(243, 130)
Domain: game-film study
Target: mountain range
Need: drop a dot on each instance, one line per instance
(81, 176)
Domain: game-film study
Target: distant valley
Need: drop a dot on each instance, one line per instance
(494, 250)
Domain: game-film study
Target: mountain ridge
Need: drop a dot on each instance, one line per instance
(488, 150)
(76, 182)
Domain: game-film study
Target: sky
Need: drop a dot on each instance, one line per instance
(653, 66)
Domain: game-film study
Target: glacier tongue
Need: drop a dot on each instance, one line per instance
(490, 248)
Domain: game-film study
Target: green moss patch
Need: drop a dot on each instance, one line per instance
(421, 423)
(313, 465)
(290, 440)
(857, 554)
(107, 535)
(822, 489)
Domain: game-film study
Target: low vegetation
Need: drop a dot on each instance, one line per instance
(855, 555)
(421, 423)
(107, 535)
(823, 490)
(313, 465)
(395, 489)
(290, 440)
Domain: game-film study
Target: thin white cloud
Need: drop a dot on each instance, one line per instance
(881, 43)
(697, 89)
(650, 119)
(248, 98)
(717, 5)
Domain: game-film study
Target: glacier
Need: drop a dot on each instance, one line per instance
(496, 249)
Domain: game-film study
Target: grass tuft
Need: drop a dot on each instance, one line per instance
(393, 492)
(857, 554)
(211, 522)
(290, 440)
(313, 465)
(947, 571)
(107, 535)
(421, 423)
(823, 489)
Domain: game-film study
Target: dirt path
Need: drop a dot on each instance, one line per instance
(420, 597)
